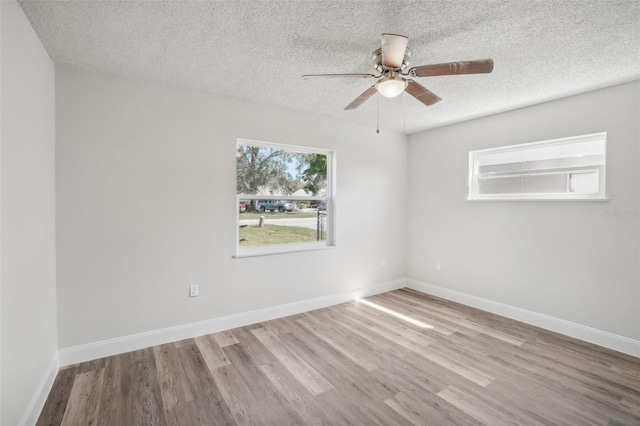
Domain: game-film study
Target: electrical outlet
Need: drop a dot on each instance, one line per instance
(193, 290)
(438, 266)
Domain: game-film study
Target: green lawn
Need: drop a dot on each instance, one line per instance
(274, 234)
(277, 215)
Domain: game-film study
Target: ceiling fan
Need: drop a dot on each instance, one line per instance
(391, 61)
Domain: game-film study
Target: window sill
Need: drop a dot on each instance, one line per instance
(273, 250)
(536, 199)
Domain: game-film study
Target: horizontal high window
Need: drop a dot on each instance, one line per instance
(567, 169)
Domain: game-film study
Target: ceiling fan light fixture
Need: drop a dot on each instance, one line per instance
(391, 87)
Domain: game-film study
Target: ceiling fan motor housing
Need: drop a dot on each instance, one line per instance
(377, 62)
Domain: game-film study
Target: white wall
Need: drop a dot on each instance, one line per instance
(146, 206)
(565, 259)
(29, 346)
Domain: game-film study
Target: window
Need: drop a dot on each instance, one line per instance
(565, 169)
(284, 196)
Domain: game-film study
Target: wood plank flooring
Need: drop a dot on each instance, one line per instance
(358, 365)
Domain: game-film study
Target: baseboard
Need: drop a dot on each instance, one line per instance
(32, 412)
(82, 353)
(582, 332)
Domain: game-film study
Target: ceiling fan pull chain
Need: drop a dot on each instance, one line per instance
(404, 116)
(378, 113)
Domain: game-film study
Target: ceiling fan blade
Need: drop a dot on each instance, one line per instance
(481, 66)
(362, 98)
(421, 93)
(311, 76)
(393, 48)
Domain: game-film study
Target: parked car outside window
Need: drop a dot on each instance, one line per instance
(275, 205)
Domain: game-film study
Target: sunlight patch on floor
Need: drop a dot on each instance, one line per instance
(394, 313)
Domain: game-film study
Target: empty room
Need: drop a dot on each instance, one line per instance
(320, 212)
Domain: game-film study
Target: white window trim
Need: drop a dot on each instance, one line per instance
(329, 198)
(473, 174)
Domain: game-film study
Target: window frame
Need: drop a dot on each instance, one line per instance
(329, 198)
(473, 178)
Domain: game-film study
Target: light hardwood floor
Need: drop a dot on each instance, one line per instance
(355, 364)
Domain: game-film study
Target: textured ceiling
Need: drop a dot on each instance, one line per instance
(258, 51)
